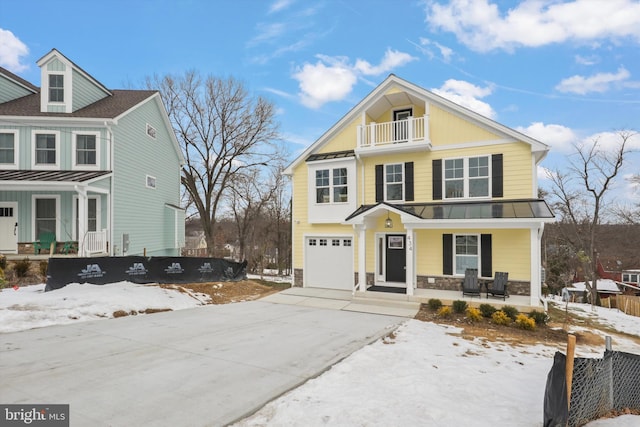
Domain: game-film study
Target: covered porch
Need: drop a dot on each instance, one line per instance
(429, 228)
(53, 212)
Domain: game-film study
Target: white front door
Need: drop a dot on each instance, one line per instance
(9, 227)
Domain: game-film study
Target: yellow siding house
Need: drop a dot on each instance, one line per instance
(408, 190)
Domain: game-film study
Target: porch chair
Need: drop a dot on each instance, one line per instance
(470, 285)
(45, 241)
(498, 289)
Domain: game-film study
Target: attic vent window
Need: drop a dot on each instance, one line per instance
(56, 88)
(151, 131)
(151, 181)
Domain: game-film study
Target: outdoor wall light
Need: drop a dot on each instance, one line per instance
(388, 223)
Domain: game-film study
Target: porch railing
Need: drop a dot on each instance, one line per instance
(379, 134)
(95, 242)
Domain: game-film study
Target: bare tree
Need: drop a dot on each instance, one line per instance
(223, 131)
(630, 214)
(580, 193)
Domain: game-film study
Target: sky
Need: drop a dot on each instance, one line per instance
(376, 385)
(563, 72)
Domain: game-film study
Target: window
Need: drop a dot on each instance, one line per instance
(466, 177)
(323, 242)
(466, 253)
(8, 149)
(335, 242)
(151, 131)
(346, 242)
(86, 151)
(630, 278)
(45, 216)
(312, 242)
(331, 183)
(151, 181)
(45, 149)
(56, 88)
(322, 186)
(394, 182)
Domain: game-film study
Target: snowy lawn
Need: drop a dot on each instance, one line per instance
(424, 374)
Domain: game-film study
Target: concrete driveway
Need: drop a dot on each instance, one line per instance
(207, 366)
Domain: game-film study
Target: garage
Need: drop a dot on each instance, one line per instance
(329, 262)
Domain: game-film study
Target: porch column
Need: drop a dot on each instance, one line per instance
(410, 254)
(362, 256)
(536, 237)
(82, 219)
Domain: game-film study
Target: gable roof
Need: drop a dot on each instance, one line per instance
(19, 80)
(394, 81)
(54, 53)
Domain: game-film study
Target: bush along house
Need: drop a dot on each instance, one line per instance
(409, 190)
(85, 169)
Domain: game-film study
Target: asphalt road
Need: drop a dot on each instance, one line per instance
(207, 366)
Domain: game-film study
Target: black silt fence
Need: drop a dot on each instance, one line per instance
(138, 269)
(599, 386)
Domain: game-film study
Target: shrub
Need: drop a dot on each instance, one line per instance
(525, 322)
(44, 265)
(540, 317)
(22, 267)
(3, 262)
(459, 306)
(510, 311)
(500, 318)
(444, 311)
(2, 278)
(434, 304)
(487, 310)
(473, 314)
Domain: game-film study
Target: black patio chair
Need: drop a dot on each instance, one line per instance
(470, 285)
(498, 289)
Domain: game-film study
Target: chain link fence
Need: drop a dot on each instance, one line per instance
(599, 387)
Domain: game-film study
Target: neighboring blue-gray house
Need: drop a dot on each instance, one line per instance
(99, 168)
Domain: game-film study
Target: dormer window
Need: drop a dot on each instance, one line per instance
(56, 88)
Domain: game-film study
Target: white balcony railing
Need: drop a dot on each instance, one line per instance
(95, 242)
(411, 130)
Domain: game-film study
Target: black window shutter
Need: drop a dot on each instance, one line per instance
(447, 254)
(408, 182)
(436, 166)
(485, 262)
(497, 176)
(379, 183)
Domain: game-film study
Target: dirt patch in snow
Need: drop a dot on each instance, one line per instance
(228, 292)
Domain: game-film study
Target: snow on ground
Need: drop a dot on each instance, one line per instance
(425, 374)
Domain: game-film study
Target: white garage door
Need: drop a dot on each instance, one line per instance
(329, 262)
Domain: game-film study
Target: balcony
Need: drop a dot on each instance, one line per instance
(407, 135)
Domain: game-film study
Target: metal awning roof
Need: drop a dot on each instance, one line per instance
(507, 209)
(50, 175)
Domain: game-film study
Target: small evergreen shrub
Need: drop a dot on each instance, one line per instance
(459, 306)
(22, 267)
(3, 262)
(2, 278)
(434, 304)
(444, 311)
(487, 310)
(510, 311)
(500, 318)
(473, 314)
(540, 317)
(525, 322)
(44, 265)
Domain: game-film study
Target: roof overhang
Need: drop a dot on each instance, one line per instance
(35, 180)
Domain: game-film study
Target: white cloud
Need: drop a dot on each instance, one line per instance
(560, 138)
(480, 25)
(467, 95)
(12, 50)
(600, 82)
(587, 60)
(333, 78)
(544, 173)
(267, 33)
(278, 5)
(392, 59)
(425, 47)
